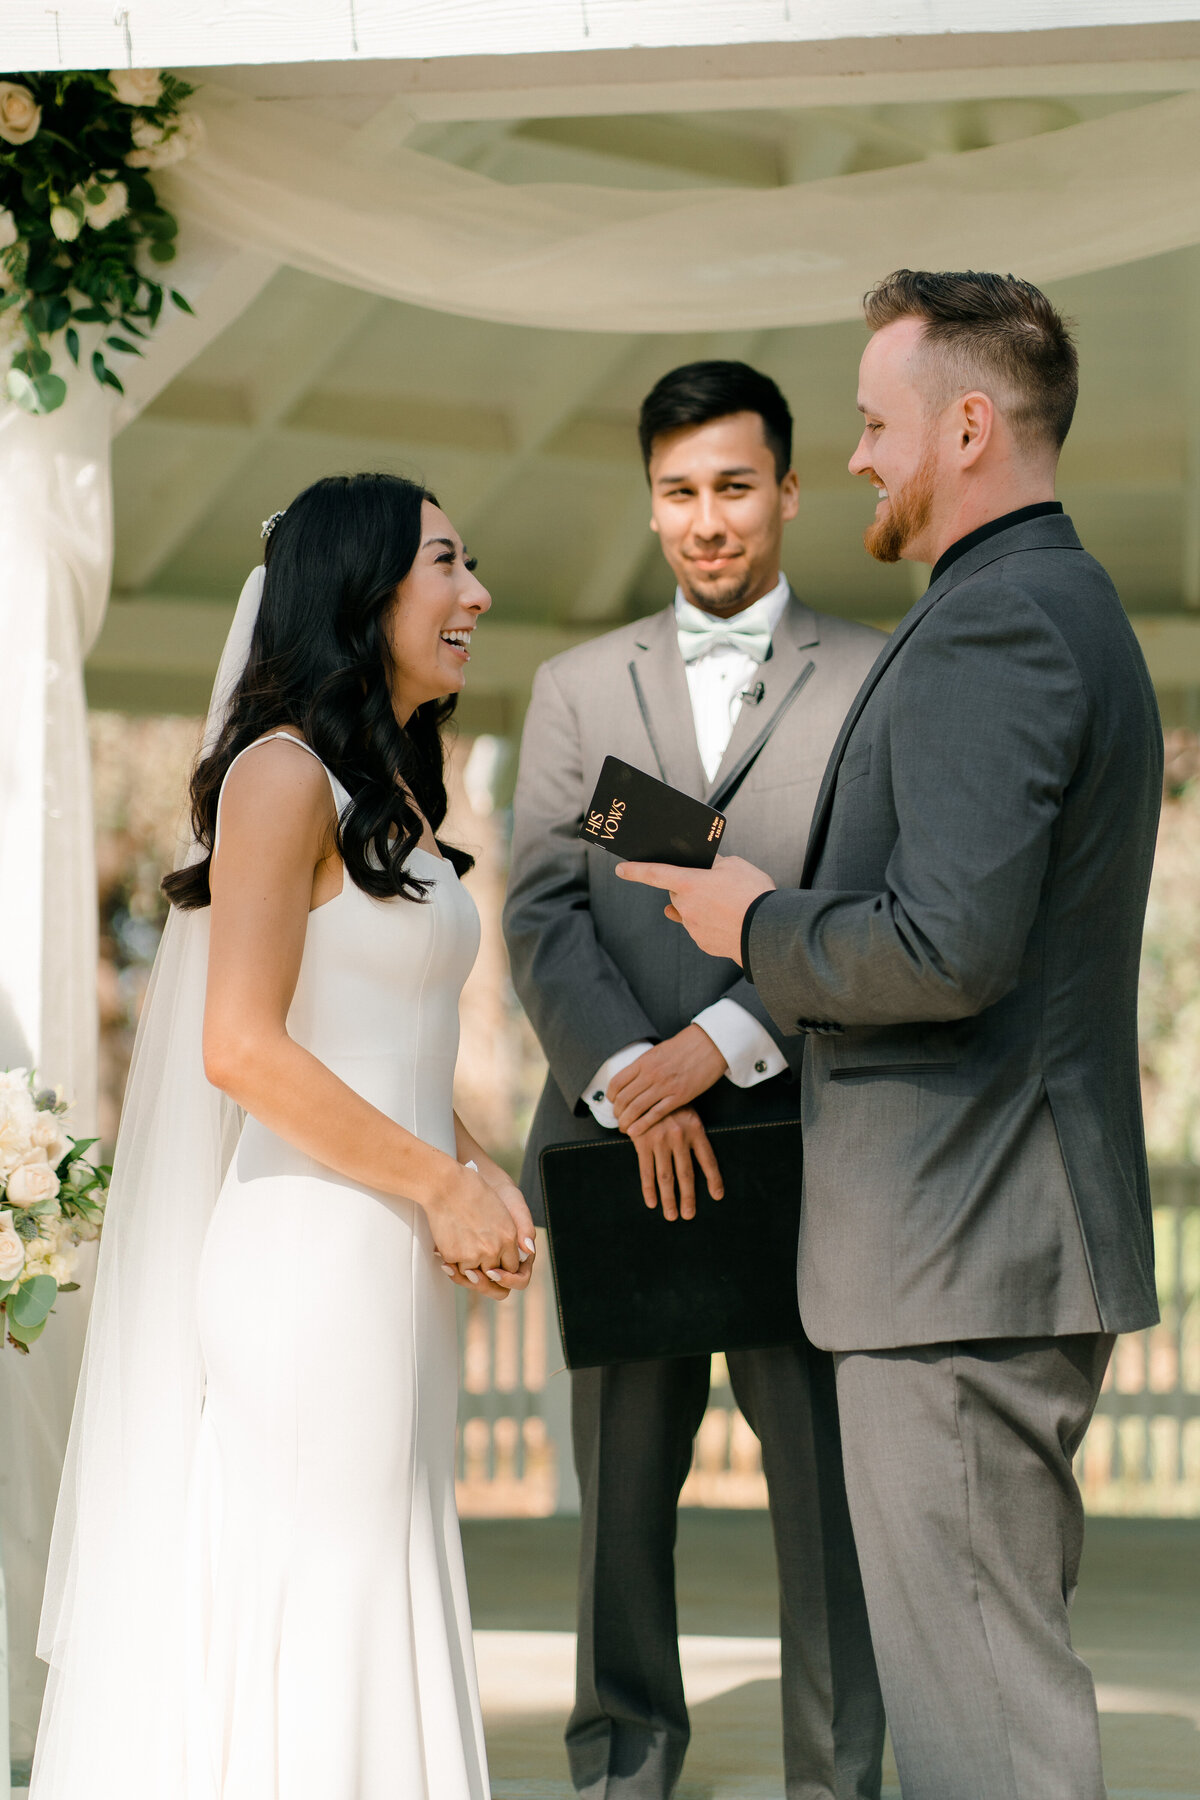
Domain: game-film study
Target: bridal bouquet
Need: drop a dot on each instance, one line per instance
(51, 1201)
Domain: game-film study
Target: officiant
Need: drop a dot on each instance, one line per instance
(734, 694)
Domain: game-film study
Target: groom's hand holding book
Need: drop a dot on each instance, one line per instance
(710, 904)
(669, 840)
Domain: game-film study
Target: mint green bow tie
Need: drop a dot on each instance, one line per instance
(751, 636)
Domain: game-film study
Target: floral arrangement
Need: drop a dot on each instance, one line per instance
(53, 1201)
(81, 231)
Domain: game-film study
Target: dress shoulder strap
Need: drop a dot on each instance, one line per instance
(341, 799)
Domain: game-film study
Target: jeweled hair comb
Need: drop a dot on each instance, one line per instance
(268, 525)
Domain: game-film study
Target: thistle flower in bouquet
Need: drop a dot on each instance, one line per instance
(81, 228)
(51, 1201)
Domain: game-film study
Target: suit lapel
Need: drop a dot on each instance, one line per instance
(660, 685)
(1051, 532)
(791, 647)
(895, 643)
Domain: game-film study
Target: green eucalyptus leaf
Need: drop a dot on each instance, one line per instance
(123, 344)
(68, 1287)
(33, 362)
(162, 251)
(6, 1287)
(30, 1305)
(24, 1334)
(58, 312)
(51, 392)
(180, 302)
(48, 279)
(94, 315)
(73, 344)
(95, 195)
(21, 391)
(112, 381)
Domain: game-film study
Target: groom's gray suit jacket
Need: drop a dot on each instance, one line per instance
(595, 963)
(962, 951)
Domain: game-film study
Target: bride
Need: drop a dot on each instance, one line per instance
(256, 1588)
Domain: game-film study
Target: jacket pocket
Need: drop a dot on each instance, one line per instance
(854, 766)
(851, 1071)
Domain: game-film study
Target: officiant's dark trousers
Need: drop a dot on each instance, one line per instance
(633, 1426)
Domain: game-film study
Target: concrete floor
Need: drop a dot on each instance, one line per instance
(1136, 1621)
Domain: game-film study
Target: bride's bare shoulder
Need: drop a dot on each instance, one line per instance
(276, 787)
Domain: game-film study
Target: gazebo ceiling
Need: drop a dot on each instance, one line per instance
(528, 435)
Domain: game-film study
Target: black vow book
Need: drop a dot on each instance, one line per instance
(643, 820)
(632, 1285)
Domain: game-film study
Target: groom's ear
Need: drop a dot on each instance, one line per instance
(654, 524)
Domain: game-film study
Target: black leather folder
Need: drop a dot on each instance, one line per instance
(632, 1285)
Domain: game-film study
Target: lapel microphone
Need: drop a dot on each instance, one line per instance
(754, 694)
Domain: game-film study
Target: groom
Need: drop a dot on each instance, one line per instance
(962, 950)
(645, 1034)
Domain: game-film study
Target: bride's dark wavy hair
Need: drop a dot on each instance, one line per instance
(320, 661)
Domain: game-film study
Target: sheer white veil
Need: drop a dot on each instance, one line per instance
(114, 1615)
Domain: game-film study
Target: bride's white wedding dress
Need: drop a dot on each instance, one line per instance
(328, 1606)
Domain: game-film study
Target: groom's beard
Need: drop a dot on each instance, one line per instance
(908, 513)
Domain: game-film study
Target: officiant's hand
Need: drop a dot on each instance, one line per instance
(665, 1153)
(710, 904)
(664, 1078)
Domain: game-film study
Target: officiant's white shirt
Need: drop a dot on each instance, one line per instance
(717, 683)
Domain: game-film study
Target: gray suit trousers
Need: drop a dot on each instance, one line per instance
(633, 1427)
(969, 1527)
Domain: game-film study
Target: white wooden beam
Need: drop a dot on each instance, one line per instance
(85, 34)
(1145, 57)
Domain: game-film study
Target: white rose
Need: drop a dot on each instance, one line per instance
(18, 1116)
(65, 224)
(158, 149)
(137, 87)
(43, 1259)
(20, 114)
(114, 206)
(30, 1183)
(86, 1230)
(192, 133)
(8, 228)
(14, 1081)
(12, 1250)
(48, 1135)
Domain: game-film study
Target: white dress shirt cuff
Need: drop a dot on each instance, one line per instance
(747, 1046)
(596, 1097)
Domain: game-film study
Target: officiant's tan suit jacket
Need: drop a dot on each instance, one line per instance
(596, 964)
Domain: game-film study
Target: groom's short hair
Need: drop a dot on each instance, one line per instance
(990, 332)
(698, 392)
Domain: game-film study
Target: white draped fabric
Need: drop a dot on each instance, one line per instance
(55, 556)
(288, 178)
(290, 182)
